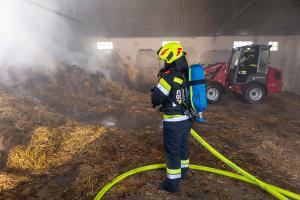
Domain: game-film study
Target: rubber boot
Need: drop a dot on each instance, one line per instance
(169, 186)
(184, 174)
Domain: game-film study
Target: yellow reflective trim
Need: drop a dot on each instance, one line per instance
(185, 161)
(171, 116)
(178, 80)
(165, 84)
(173, 171)
(252, 65)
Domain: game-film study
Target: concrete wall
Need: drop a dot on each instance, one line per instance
(291, 67)
(286, 58)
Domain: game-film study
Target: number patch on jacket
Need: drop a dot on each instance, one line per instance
(178, 96)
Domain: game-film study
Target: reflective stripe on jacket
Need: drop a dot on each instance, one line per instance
(175, 118)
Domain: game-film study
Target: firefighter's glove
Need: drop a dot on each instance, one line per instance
(152, 89)
(158, 108)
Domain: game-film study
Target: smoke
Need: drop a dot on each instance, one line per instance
(37, 35)
(31, 36)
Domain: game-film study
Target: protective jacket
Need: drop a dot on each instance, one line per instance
(168, 93)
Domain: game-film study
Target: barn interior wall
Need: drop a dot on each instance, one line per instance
(291, 68)
(286, 58)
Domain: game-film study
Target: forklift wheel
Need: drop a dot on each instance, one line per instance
(254, 93)
(213, 93)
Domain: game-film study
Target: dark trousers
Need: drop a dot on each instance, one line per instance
(176, 144)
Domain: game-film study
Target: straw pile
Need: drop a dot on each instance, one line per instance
(9, 181)
(51, 147)
(77, 93)
(59, 156)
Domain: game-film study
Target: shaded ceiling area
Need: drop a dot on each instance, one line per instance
(159, 18)
(200, 17)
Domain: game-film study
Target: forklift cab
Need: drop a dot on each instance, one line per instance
(249, 63)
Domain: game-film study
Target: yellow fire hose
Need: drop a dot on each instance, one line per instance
(244, 176)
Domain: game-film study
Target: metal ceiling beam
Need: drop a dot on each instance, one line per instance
(218, 32)
(63, 15)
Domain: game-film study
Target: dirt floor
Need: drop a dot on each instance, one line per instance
(66, 137)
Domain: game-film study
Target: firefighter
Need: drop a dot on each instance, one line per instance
(176, 125)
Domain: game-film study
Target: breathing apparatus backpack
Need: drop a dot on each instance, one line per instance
(194, 92)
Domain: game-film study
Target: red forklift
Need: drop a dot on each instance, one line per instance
(247, 74)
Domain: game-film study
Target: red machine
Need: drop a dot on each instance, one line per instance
(247, 75)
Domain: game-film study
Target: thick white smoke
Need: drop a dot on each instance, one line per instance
(34, 36)
(39, 34)
(30, 35)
